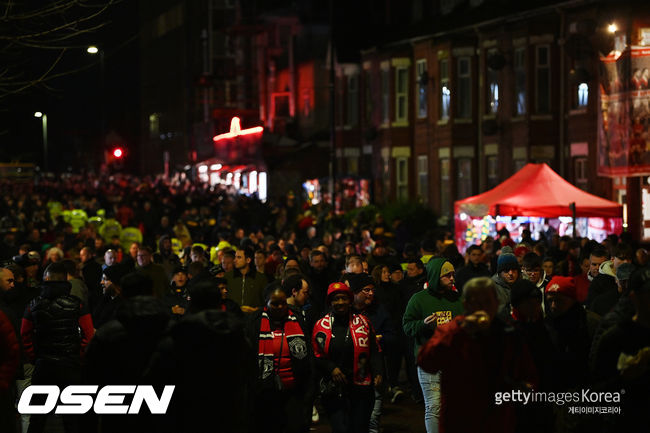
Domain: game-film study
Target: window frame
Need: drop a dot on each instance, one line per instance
(423, 177)
(385, 96)
(401, 95)
(352, 100)
(464, 88)
(519, 61)
(402, 178)
(421, 96)
(445, 90)
(540, 71)
(445, 182)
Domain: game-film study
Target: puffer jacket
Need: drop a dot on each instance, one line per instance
(50, 327)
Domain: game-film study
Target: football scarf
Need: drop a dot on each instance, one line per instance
(359, 330)
(293, 335)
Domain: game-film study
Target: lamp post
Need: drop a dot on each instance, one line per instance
(43, 117)
(93, 49)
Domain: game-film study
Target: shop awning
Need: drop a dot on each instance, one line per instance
(537, 191)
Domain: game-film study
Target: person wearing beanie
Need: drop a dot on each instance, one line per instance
(176, 297)
(425, 311)
(348, 358)
(111, 298)
(571, 329)
(507, 273)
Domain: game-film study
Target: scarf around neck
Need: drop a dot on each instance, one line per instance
(359, 329)
(292, 335)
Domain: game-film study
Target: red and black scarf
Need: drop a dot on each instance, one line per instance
(295, 339)
(360, 331)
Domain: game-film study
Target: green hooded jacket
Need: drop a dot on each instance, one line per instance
(445, 304)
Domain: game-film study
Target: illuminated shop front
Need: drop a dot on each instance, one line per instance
(237, 165)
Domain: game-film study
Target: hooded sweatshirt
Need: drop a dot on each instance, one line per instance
(444, 303)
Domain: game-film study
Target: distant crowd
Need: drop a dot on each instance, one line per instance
(274, 316)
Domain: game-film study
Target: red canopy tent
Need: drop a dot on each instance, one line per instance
(537, 191)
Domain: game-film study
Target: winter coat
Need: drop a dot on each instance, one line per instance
(50, 326)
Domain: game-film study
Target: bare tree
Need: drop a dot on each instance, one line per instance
(35, 37)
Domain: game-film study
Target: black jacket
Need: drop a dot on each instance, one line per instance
(121, 351)
(211, 362)
(55, 315)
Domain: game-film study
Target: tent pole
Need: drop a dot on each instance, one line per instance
(573, 216)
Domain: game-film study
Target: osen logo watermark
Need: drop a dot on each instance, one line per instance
(79, 399)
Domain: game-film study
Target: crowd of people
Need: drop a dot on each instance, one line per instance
(269, 317)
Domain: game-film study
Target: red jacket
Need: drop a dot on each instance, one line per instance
(9, 352)
(472, 370)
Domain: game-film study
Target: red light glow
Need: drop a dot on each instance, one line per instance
(235, 130)
(117, 153)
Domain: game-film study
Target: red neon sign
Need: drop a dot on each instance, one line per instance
(235, 130)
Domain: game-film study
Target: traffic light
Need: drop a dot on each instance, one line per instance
(115, 156)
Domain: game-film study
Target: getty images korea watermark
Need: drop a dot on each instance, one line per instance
(585, 401)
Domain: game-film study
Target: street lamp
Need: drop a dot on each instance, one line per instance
(612, 28)
(44, 121)
(93, 49)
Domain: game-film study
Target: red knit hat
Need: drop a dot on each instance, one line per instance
(563, 285)
(521, 250)
(335, 288)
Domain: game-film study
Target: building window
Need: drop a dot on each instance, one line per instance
(423, 178)
(385, 96)
(401, 95)
(445, 194)
(352, 118)
(464, 88)
(464, 178)
(306, 103)
(422, 78)
(368, 99)
(280, 102)
(583, 95)
(386, 176)
(402, 178)
(445, 91)
(519, 164)
(580, 173)
(493, 91)
(492, 168)
(543, 79)
(520, 80)
(340, 102)
(352, 163)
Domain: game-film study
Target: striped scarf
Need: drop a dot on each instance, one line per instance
(295, 339)
(360, 331)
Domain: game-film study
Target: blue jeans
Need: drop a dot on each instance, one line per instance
(376, 413)
(430, 384)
